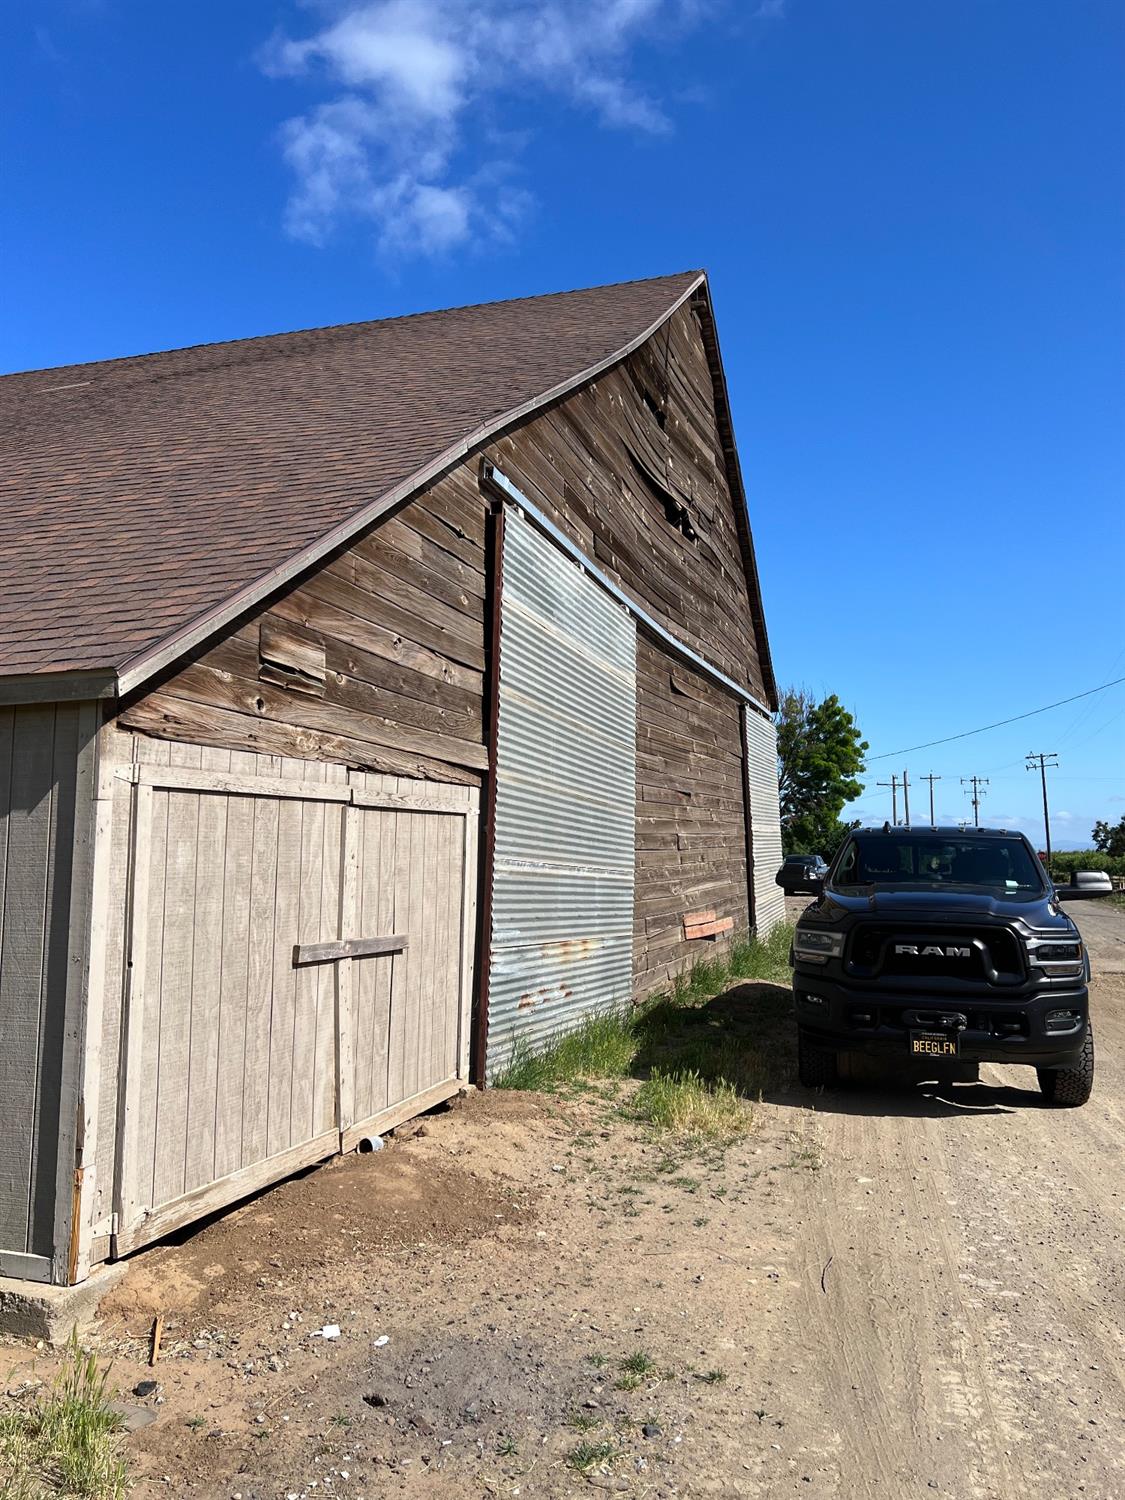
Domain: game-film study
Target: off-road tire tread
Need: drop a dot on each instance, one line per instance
(816, 1066)
(1070, 1088)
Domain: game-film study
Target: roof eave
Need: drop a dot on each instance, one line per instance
(57, 687)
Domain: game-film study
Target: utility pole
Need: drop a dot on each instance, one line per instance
(906, 796)
(1038, 760)
(976, 782)
(893, 784)
(931, 778)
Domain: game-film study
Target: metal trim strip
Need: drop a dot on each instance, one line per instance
(491, 475)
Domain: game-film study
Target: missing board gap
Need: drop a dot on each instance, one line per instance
(290, 660)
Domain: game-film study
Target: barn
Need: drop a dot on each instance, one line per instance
(374, 701)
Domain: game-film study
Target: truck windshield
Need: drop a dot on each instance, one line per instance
(906, 859)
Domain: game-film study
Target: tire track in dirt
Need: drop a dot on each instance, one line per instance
(969, 1332)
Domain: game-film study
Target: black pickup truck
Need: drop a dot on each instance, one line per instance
(939, 947)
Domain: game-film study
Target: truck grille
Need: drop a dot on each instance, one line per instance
(994, 954)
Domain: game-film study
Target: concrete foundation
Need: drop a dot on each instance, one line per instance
(33, 1310)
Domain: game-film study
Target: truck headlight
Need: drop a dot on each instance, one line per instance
(1056, 952)
(817, 947)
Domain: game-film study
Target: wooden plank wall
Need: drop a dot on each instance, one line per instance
(400, 616)
(40, 748)
(691, 829)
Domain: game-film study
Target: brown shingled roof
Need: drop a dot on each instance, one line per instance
(142, 496)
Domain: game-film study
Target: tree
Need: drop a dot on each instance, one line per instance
(1109, 838)
(819, 755)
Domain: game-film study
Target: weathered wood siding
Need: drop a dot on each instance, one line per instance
(43, 750)
(691, 820)
(608, 464)
(400, 617)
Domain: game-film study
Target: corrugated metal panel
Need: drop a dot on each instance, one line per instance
(765, 820)
(562, 897)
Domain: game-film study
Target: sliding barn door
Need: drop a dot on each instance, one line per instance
(563, 865)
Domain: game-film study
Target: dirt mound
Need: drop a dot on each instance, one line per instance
(290, 1238)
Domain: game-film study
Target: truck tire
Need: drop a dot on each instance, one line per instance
(1067, 1088)
(816, 1066)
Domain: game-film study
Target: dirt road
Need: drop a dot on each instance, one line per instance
(968, 1337)
(879, 1292)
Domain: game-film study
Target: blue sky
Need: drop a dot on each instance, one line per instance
(913, 218)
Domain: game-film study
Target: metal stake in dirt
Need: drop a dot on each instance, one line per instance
(893, 784)
(1040, 760)
(931, 778)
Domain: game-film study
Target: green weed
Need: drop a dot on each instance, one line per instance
(587, 1456)
(689, 1105)
(68, 1442)
(699, 1033)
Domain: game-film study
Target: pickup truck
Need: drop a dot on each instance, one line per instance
(940, 947)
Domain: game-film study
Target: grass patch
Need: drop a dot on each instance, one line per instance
(603, 1047)
(66, 1443)
(689, 1105)
(699, 1046)
(587, 1456)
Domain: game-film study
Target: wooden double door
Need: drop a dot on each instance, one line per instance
(300, 958)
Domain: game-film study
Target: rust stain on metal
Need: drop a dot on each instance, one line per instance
(571, 950)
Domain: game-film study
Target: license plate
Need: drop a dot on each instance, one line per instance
(933, 1044)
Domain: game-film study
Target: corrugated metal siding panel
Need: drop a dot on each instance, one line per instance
(765, 820)
(562, 900)
(40, 746)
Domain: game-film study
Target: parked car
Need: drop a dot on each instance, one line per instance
(801, 873)
(1085, 883)
(943, 947)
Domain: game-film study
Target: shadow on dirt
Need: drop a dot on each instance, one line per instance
(747, 1037)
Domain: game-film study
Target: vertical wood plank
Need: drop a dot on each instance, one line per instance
(306, 980)
(385, 918)
(345, 1060)
(467, 937)
(234, 964)
(286, 917)
(363, 974)
(112, 1044)
(176, 984)
(259, 981)
(324, 1071)
(207, 972)
(133, 1175)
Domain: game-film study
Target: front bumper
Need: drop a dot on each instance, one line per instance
(1002, 1030)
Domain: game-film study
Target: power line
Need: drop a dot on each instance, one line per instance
(965, 734)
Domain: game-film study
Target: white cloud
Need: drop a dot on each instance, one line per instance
(412, 84)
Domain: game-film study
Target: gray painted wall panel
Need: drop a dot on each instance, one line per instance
(40, 747)
(562, 897)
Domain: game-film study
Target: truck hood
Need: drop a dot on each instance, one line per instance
(967, 902)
